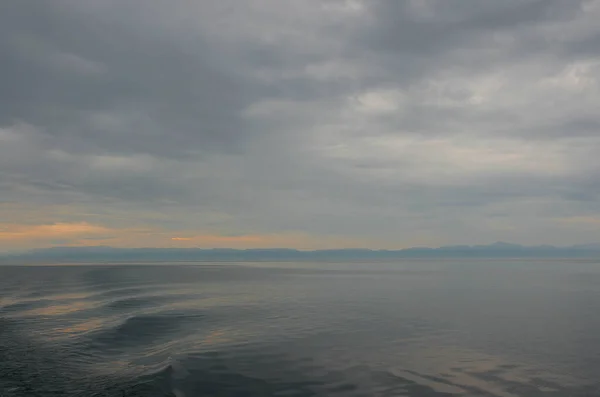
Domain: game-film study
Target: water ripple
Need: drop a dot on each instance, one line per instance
(193, 331)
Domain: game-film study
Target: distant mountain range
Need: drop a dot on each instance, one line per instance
(110, 254)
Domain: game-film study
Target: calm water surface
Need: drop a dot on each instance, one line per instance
(413, 328)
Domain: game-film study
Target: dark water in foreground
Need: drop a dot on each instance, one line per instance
(420, 328)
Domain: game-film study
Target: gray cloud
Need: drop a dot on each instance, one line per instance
(100, 82)
(404, 122)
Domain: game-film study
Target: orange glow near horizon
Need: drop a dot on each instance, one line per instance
(222, 239)
(48, 231)
(23, 236)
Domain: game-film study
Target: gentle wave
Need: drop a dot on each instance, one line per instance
(188, 331)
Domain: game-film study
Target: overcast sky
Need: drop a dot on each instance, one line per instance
(306, 124)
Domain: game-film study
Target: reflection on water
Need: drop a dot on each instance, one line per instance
(414, 329)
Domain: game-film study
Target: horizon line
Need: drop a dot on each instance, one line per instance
(495, 245)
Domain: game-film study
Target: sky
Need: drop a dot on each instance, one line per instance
(305, 124)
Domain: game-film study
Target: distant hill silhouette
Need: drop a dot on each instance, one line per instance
(110, 254)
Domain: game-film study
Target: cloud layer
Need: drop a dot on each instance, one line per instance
(309, 124)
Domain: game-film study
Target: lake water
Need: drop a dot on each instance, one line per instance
(413, 328)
